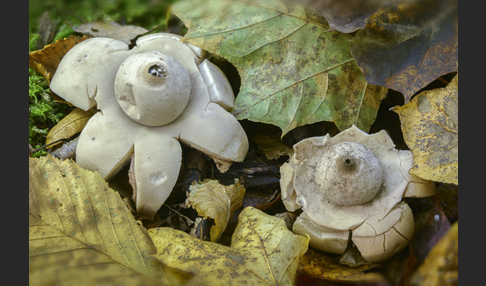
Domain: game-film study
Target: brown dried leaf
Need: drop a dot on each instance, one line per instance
(69, 126)
(324, 266)
(430, 128)
(440, 268)
(212, 200)
(45, 61)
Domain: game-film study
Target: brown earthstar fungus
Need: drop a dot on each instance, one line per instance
(149, 98)
(350, 187)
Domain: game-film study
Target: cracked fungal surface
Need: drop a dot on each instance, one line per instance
(350, 187)
(149, 98)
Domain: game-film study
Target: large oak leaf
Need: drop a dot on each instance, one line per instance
(294, 69)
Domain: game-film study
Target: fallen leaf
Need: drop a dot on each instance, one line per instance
(262, 198)
(440, 268)
(429, 124)
(45, 61)
(212, 200)
(78, 220)
(69, 126)
(431, 225)
(346, 16)
(407, 46)
(271, 146)
(325, 266)
(59, 259)
(294, 70)
(112, 30)
(46, 28)
(263, 252)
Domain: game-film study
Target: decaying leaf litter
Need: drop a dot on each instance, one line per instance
(249, 50)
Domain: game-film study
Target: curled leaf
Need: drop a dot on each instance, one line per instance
(45, 61)
(212, 200)
(263, 252)
(430, 129)
(69, 126)
(76, 220)
(294, 69)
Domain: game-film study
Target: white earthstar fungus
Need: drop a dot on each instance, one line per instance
(350, 187)
(149, 98)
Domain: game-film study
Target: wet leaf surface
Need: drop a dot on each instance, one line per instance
(263, 252)
(407, 46)
(262, 39)
(430, 128)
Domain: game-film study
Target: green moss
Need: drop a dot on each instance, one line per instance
(145, 13)
(44, 112)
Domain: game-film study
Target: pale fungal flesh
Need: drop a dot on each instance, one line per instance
(152, 88)
(150, 97)
(351, 186)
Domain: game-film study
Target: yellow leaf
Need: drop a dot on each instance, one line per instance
(58, 259)
(327, 267)
(212, 200)
(263, 252)
(76, 220)
(440, 267)
(430, 127)
(69, 126)
(45, 60)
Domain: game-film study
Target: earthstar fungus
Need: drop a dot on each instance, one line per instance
(149, 98)
(351, 186)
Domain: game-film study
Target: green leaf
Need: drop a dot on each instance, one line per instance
(294, 69)
(77, 223)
